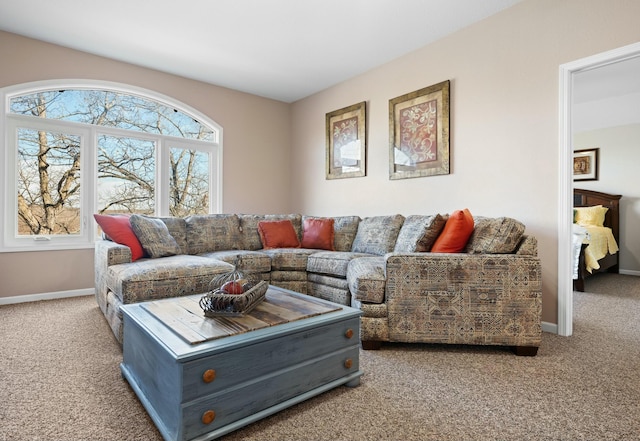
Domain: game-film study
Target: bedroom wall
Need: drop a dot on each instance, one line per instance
(256, 143)
(504, 74)
(618, 174)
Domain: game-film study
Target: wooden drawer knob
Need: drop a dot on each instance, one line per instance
(348, 363)
(349, 333)
(209, 375)
(208, 417)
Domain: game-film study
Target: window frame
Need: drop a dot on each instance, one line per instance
(88, 177)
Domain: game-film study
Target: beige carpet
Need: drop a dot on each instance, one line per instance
(60, 380)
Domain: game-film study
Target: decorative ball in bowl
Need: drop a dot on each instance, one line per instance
(232, 294)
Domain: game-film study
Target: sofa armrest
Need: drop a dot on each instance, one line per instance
(528, 246)
(464, 298)
(109, 253)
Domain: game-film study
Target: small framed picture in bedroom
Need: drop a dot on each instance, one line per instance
(585, 164)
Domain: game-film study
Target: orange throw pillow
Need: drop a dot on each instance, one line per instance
(119, 230)
(318, 234)
(278, 234)
(455, 234)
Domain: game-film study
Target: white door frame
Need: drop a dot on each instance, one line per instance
(565, 199)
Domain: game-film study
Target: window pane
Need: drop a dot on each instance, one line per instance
(112, 109)
(126, 175)
(48, 183)
(189, 182)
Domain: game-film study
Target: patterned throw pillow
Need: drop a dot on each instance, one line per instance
(154, 236)
(378, 234)
(495, 236)
(418, 233)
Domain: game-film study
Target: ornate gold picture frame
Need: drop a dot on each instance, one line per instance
(346, 142)
(419, 133)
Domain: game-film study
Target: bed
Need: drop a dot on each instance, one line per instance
(595, 246)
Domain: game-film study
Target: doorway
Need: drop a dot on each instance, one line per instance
(565, 199)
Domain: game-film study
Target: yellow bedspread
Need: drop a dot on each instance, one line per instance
(601, 242)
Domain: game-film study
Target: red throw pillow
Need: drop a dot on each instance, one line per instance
(318, 234)
(278, 234)
(455, 234)
(119, 230)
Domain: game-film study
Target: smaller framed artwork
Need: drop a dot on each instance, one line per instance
(419, 133)
(585, 164)
(346, 142)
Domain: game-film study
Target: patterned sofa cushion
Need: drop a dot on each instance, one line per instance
(528, 246)
(495, 236)
(418, 233)
(377, 234)
(367, 279)
(212, 232)
(177, 227)
(249, 235)
(172, 276)
(289, 259)
(248, 262)
(332, 263)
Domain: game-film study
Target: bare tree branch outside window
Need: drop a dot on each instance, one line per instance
(49, 183)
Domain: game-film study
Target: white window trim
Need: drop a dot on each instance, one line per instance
(86, 239)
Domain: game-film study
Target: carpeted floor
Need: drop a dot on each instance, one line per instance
(60, 380)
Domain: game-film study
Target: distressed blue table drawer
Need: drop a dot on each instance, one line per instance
(264, 391)
(225, 369)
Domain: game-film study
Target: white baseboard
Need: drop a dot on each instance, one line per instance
(550, 327)
(46, 296)
(629, 272)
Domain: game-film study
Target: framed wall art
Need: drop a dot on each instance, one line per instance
(419, 133)
(585, 164)
(346, 142)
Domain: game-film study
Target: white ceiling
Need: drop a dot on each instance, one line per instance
(280, 49)
(615, 79)
(607, 96)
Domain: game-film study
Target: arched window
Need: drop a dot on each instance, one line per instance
(76, 149)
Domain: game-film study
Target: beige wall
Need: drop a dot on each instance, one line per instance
(504, 121)
(256, 143)
(504, 125)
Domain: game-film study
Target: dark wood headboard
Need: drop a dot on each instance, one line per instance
(588, 198)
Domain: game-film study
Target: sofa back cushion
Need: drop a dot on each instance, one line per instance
(177, 227)
(249, 235)
(495, 236)
(419, 232)
(212, 232)
(377, 234)
(345, 229)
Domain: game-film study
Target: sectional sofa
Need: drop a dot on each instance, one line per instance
(487, 291)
